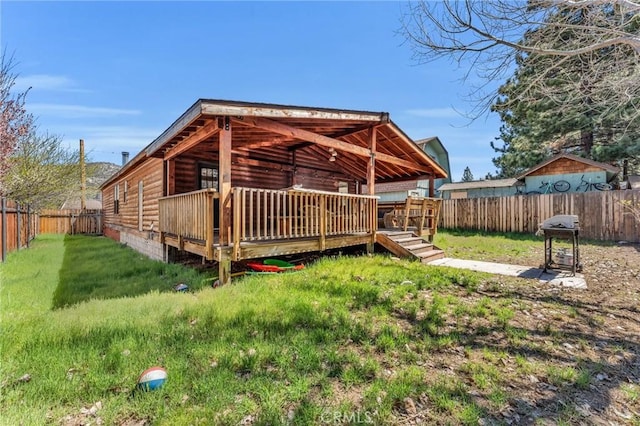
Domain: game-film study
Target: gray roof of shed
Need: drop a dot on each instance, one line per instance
(476, 184)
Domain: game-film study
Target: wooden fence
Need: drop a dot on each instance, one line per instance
(20, 225)
(602, 214)
(71, 221)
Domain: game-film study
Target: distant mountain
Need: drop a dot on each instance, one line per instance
(96, 174)
(99, 172)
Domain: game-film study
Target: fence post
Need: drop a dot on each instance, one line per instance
(28, 225)
(18, 233)
(4, 229)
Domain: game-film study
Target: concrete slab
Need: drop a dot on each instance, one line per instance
(561, 278)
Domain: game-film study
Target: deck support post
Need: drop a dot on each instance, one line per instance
(224, 271)
(370, 246)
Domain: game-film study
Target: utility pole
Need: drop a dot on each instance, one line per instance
(83, 178)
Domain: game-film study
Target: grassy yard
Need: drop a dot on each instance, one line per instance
(347, 340)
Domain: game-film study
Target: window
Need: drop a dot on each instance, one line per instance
(116, 199)
(208, 177)
(124, 194)
(343, 187)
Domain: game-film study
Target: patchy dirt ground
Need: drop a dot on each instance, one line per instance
(562, 356)
(568, 356)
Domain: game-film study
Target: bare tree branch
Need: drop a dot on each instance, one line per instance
(486, 37)
(42, 173)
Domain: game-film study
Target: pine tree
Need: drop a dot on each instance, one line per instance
(467, 176)
(548, 109)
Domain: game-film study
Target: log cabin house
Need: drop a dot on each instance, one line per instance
(232, 181)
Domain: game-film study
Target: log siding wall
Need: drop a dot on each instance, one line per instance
(124, 226)
(263, 173)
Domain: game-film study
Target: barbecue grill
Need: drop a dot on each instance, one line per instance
(565, 227)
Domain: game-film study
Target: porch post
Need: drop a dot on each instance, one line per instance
(294, 177)
(224, 167)
(371, 186)
(432, 183)
(371, 165)
(170, 184)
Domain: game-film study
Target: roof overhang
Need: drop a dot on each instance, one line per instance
(260, 126)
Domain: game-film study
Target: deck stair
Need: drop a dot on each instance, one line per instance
(409, 244)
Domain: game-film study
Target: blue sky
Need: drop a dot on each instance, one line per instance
(117, 74)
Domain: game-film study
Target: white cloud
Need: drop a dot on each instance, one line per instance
(114, 135)
(105, 143)
(433, 112)
(46, 82)
(77, 111)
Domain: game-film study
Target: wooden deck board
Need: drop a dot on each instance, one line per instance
(258, 249)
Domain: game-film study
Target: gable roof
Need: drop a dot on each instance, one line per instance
(265, 127)
(607, 167)
(476, 184)
(437, 145)
(434, 142)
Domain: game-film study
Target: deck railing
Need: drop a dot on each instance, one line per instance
(419, 212)
(189, 215)
(265, 214)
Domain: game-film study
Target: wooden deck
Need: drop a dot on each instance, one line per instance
(258, 249)
(266, 223)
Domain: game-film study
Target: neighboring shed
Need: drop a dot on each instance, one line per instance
(479, 188)
(232, 181)
(76, 203)
(634, 182)
(398, 191)
(581, 174)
